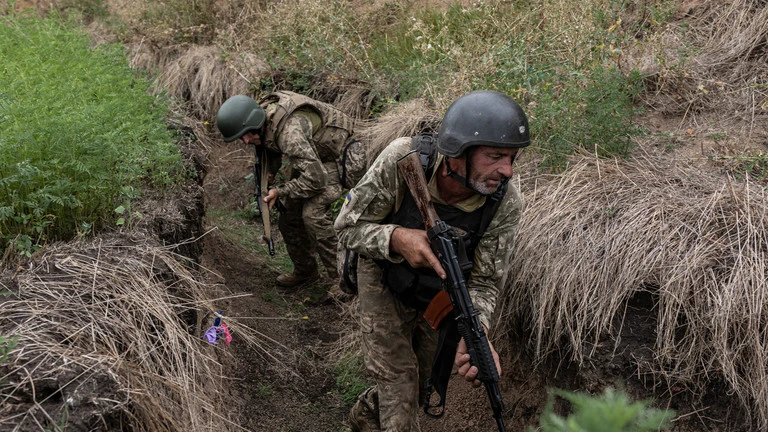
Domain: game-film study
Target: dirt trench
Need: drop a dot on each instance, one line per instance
(300, 393)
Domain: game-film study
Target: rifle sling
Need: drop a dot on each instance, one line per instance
(442, 366)
(264, 207)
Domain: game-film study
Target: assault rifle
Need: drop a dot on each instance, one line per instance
(261, 179)
(444, 243)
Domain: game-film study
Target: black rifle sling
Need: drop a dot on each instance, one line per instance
(442, 365)
(448, 341)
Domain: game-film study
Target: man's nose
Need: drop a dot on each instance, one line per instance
(505, 169)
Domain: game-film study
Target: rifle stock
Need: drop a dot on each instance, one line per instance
(262, 185)
(443, 240)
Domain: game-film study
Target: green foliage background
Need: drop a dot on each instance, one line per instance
(611, 411)
(560, 61)
(79, 133)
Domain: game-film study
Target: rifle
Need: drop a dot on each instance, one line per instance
(261, 181)
(444, 243)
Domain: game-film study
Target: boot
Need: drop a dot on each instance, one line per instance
(289, 280)
(336, 293)
(364, 415)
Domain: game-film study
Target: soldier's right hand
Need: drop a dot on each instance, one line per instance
(413, 245)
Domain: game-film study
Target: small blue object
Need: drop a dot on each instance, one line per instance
(217, 321)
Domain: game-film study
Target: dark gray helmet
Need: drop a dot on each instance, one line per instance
(485, 118)
(238, 115)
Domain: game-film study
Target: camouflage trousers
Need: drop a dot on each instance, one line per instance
(307, 227)
(398, 345)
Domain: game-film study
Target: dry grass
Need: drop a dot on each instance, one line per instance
(711, 59)
(407, 119)
(196, 75)
(107, 329)
(601, 232)
(349, 343)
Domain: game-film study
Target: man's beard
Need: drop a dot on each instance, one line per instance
(479, 186)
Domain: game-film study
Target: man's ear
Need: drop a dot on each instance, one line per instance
(456, 164)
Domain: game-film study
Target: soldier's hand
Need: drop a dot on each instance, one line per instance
(413, 245)
(468, 371)
(271, 198)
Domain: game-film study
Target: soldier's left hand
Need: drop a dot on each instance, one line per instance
(271, 198)
(468, 371)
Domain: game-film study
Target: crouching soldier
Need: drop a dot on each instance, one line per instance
(467, 166)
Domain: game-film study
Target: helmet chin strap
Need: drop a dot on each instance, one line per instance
(461, 179)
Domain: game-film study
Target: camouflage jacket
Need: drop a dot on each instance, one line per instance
(381, 191)
(310, 134)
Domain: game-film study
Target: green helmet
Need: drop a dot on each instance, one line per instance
(238, 115)
(486, 118)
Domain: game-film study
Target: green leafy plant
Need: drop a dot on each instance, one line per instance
(81, 133)
(611, 411)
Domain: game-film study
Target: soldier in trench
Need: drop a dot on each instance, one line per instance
(467, 166)
(310, 135)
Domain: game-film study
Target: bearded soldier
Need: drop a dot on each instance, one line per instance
(467, 166)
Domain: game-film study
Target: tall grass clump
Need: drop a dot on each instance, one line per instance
(101, 335)
(79, 133)
(604, 232)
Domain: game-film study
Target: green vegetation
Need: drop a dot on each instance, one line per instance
(265, 391)
(183, 20)
(752, 164)
(610, 412)
(560, 62)
(6, 343)
(6, 346)
(79, 134)
(350, 378)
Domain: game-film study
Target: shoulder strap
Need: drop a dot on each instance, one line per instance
(426, 144)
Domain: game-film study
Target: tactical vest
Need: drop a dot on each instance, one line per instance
(416, 287)
(334, 131)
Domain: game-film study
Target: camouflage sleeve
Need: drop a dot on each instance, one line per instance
(295, 143)
(358, 225)
(493, 256)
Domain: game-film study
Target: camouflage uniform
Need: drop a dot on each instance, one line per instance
(310, 134)
(398, 343)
